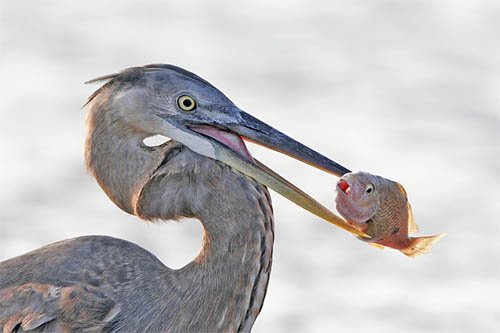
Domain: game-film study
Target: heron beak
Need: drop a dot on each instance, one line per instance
(259, 132)
(229, 148)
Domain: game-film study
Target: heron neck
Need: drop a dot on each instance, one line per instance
(236, 256)
(118, 159)
(227, 281)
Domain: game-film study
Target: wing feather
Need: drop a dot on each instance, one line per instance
(33, 306)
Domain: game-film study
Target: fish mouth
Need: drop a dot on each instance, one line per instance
(344, 187)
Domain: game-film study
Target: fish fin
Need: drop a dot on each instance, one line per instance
(412, 225)
(378, 246)
(421, 245)
(370, 242)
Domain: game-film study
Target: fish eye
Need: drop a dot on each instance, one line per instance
(369, 189)
(186, 103)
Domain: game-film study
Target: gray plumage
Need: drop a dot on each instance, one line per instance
(103, 284)
(119, 286)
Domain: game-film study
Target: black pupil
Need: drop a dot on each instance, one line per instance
(187, 103)
(369, 190)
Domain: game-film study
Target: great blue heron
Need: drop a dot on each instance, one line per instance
(98, 283)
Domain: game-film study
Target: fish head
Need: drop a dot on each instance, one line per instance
(358, 196)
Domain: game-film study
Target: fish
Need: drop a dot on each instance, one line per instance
(379, 207)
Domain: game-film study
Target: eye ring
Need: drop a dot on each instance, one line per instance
(369, 188)
(186, 103)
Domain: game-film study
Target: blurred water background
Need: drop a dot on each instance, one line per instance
(405, 89)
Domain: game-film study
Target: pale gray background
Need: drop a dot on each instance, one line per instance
(405, 89)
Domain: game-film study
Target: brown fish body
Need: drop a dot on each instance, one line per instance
(389, 226)
(380, 207)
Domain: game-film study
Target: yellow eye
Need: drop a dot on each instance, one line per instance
(186, 103)
(369, 189)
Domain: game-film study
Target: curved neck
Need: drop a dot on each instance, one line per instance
(235, 260)
(227, 281)
(117, 158)
(224, 287)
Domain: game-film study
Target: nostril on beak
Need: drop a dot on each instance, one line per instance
(344, 186)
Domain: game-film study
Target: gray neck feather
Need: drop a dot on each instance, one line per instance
(228, 280)
(116, 156)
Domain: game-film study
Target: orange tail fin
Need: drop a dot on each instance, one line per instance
(421, 245)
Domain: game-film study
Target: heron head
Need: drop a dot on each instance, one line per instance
(175, 103)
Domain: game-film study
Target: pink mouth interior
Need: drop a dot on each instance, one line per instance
(344, 186)
(230, 140)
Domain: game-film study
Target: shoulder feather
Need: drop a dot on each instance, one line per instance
(47, 307)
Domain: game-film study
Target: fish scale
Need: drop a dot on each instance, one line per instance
(387, 218)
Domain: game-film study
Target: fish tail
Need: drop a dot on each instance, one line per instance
(421, 245)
